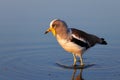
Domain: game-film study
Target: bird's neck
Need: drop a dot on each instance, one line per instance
(63, 35)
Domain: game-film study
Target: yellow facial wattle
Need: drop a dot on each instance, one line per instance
(51, 30)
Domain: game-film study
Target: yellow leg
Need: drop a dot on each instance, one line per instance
(74, 60)
(81, 61)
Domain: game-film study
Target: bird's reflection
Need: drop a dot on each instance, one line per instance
(78, 76)
(78, 70)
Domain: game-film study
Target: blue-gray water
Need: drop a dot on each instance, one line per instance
(27, 54)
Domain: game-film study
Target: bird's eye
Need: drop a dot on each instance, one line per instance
(53, 25)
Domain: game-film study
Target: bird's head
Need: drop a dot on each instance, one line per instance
(56, 26)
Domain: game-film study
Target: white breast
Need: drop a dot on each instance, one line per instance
(70, 46)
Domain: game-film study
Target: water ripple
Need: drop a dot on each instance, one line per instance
(24, 63)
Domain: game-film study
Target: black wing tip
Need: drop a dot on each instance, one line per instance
(103, 41)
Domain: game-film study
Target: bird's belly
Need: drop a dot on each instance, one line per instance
(71, 47)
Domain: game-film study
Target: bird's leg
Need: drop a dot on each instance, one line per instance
(74, 60)
(81, 61)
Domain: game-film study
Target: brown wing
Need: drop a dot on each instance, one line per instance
(91, 39)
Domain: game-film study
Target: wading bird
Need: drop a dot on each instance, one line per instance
(73, 40)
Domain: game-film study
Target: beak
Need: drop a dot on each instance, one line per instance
(51, 30)
(47, 31)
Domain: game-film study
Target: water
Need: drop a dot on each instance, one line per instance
(27, 54)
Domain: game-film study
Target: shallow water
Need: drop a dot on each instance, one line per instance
(27, 54)
(36, 60)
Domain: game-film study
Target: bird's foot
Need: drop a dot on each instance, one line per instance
(74, 65)
(82, 65)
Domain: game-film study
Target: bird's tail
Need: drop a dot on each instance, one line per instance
(103, 41)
